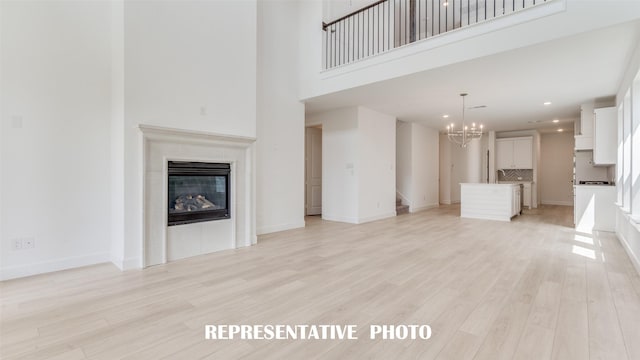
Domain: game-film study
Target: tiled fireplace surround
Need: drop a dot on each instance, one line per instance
(163, 243)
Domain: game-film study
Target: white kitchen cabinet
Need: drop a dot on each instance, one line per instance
(584, 136)
(514, 153)
(586, 119)
(504, 154)
(595, 208)
(605, 136)
(516, 206)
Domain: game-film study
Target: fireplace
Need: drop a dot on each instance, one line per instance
(197, 192)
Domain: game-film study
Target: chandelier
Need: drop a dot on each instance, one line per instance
(465, 134)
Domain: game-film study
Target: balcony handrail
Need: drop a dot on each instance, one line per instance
(389, 24)
(326, 25)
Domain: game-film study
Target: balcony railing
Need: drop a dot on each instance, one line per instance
(388, 24)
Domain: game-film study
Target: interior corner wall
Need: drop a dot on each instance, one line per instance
(377, 165)
(444, 167)
(280, 121)
(425, 163)
(56, 113)
(556, 186)
(358, 164)
(404, 165)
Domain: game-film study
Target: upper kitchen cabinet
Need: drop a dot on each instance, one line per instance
(584, 132)
(514, 153)
(605, 136)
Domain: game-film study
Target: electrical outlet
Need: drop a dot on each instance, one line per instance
(16, 244)
(29, 243)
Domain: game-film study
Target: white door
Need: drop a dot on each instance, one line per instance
(313, 171)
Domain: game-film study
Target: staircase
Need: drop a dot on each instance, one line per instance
(401, 209)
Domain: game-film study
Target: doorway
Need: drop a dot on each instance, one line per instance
(313, 171)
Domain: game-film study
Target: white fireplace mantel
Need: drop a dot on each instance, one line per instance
(160, 145)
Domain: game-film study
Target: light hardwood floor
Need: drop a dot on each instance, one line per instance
(529, 289)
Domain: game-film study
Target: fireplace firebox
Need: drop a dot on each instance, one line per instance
(198, 192)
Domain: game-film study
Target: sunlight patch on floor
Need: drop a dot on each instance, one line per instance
(582, 251)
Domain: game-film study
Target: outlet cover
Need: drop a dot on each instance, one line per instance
(16, 244)
(28, 243)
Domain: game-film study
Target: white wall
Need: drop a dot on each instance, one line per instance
(358, 164)
(339, 168)
(56, 110)
(404, 166)
(184, 71)
(334, 9)
(557, 172)
(377, 165)
(585, 170)
(280, 121)
(459, 169)
(474, 161)
(417, 160)
(458, 165)
(444, 169)
(425, 163)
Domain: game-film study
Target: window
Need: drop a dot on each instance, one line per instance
(620, 162)
(635, 147)
(626, 153)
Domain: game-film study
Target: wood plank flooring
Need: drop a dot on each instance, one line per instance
(529, 289)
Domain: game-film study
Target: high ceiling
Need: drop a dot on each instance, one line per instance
(513, 85)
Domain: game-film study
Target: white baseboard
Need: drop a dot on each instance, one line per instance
(128, 263)
(343, 219)
(361, 220)
(554, 202)
(376, 217)
(635, 260)
(13, 272)
(280, 227)
(422, 208)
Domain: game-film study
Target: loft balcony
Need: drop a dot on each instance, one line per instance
(390, 24)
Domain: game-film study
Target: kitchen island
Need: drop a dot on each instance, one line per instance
(490, 201)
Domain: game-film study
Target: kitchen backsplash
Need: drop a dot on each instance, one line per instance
(515, 175)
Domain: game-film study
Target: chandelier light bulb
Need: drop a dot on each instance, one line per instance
(463, 136)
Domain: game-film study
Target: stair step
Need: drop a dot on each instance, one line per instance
(398, 202)
(402, 209)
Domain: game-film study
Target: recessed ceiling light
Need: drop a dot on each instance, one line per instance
(560, 130)
(445, 116)
(556, 120)
(547, 103)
